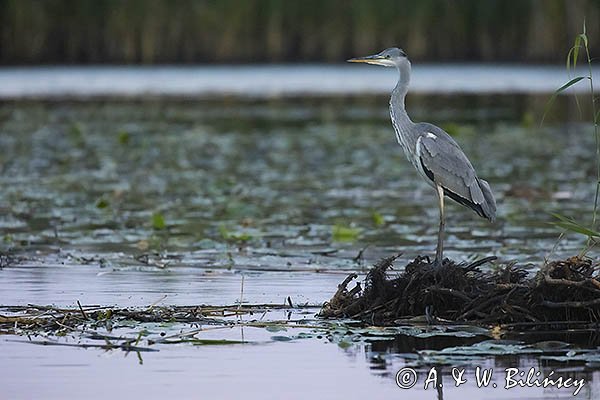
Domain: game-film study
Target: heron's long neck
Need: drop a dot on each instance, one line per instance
(397, 108)
(400, 118)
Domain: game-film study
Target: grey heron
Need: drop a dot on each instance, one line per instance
(433, 152)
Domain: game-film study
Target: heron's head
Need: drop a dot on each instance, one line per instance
(392, 57)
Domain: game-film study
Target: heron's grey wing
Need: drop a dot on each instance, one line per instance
(445, 164)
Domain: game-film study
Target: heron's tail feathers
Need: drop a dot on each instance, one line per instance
(489, 206)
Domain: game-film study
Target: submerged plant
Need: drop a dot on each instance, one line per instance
(564, 222)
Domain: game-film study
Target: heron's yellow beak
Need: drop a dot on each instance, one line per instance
(375, 60)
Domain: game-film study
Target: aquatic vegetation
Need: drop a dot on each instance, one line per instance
(196, 166)
(565, 222)
(158, 221)
(124, 137)
(148, 328)
(233, 235)
(343, 233)
(378, 219)
(102, 203)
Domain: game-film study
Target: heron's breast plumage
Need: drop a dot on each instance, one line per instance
(401, 125)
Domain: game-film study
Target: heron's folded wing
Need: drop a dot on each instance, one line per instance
(450, 167)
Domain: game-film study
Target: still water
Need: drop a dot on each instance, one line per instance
(267, 81)
(172, 202)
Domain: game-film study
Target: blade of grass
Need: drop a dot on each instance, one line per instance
(557, 92)
(569, 84)
(576, 228)
(561, 217)
(584, 37)
(570, 225)
(596, 132)
(576, 51)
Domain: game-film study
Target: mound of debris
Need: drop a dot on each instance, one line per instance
(562, 291)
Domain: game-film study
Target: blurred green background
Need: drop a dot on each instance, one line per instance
(253, 31)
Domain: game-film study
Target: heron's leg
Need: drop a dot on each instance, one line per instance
(439, 253)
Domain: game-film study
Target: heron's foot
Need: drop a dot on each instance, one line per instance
(438, 263)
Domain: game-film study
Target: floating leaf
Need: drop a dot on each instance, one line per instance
(158, 221)
(124, 137)
(492, 347)
(551, 345)
(281, 338)
(213, 342)
(342, 233)
(378, 219)
(377, 338)
(275, 328)
(229, 235)
(102, 203)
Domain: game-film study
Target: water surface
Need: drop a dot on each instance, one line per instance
(260, 81)
(126, 202)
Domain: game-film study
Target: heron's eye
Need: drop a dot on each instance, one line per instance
(387, 56)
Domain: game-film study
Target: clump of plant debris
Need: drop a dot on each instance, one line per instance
(562, 291)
